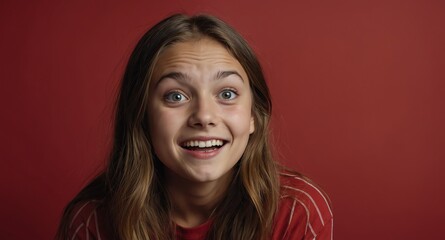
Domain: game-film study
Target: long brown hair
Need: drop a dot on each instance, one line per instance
(131, 187)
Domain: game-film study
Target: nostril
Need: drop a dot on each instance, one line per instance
(203, 113)
(202, 121)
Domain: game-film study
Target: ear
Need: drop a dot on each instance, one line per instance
(252, 125)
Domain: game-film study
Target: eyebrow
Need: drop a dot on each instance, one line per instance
(224, 74)
(184, 77)
(174, 75)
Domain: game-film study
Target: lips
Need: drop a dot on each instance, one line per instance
(203, 145)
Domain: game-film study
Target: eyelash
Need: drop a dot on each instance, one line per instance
(231, 90)
(168, 96)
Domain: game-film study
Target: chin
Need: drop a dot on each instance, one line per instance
(204, 176)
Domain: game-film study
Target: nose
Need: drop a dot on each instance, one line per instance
(203, 113)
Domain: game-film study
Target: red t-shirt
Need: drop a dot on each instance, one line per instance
(304, 213)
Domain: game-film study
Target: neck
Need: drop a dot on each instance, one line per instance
(195, 202)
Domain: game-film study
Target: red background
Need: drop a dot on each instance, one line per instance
(358, 90)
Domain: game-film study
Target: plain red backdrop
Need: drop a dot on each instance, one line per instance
(358, 90)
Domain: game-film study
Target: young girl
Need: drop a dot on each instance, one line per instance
(191, 157)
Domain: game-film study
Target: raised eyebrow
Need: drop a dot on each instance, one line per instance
(224, 74)
(174, 75)
(184, 77)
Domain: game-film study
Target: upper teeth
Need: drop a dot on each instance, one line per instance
(203, 144)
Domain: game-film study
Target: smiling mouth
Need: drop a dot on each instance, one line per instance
(208, 145)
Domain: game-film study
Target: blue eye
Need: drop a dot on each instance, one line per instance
(175, 97)
(227, 94)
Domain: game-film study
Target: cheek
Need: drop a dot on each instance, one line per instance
(163, 127)
(163, 124)
(240, 120)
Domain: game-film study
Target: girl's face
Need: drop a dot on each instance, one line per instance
(199, 110)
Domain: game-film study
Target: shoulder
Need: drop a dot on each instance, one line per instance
(304, 209)
(88, 221)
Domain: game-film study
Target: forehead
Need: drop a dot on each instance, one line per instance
(203, 52)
